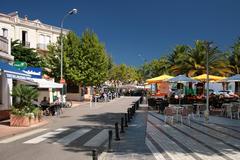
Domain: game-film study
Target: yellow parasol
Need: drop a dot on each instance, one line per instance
(213, 78)
(163, 77)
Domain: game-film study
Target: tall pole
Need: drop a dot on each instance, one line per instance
(207, 96)
(61, 68)
(73, 11)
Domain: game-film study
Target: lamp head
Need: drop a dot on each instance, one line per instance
(73, 11)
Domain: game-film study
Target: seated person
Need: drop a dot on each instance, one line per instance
(44, 103)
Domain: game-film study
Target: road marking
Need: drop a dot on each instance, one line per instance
(17, 137)
(45, 136)
(154, 150)
(98, 139)
(71, 137)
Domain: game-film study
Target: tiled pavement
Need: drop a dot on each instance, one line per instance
(217, 140)
(132, 144)
(198, 141)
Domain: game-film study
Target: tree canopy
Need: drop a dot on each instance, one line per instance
(24, 54)
(85, 59)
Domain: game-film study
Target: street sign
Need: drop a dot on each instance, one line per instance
(35, 72)
(20, 65)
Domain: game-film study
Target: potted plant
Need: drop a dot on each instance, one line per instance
(23, 112)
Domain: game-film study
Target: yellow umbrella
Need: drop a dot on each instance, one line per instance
(163, 77)
(203, 77)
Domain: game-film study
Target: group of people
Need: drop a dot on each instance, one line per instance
(50, 109)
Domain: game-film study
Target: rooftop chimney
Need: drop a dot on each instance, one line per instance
(26, 17)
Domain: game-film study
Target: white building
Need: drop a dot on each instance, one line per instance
(32, 33)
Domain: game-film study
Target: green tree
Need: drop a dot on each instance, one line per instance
(123, 74)
(93, 64)
(234, 58)
(85, 60)
(24, 95)
(193, 61)
(176, 59)
(155, 68)
(24, 54)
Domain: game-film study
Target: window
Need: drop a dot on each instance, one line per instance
(5, 32)
(44, 40)
(24, 37)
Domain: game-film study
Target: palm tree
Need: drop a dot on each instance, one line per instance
(176, 59)
(193, 63)
(25, 95)
(234, 58)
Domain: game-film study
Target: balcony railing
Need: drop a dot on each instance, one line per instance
(26, 44)
(42, 46)
(3, 44)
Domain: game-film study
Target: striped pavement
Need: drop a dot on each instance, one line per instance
(197, 141)
(61, 136)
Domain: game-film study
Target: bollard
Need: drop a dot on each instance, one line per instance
(132, 109)
(94, 154)
(128, 114)
(122, 125)
(117, 138)
(125, 118)
(110, 141)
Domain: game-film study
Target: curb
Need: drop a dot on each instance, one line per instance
(44, 123)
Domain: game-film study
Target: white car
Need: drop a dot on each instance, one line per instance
(228, 94)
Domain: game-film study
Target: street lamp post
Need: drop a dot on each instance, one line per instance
(71, 12)
(144, 60)
(207, 96)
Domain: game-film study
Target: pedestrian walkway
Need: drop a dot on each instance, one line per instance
(132, 144)
(198, 141)
(72, 135)
(61, 136)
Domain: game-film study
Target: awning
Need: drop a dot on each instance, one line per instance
(13, 72)
(163, 77)
(43, 83)
(212, 78)
(27, 82)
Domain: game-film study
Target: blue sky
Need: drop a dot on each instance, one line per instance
(151, 28)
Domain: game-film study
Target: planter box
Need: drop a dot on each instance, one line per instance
(19, 121)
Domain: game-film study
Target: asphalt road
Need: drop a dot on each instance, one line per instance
(71, 136)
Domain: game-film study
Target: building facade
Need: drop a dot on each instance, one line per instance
(31, 33)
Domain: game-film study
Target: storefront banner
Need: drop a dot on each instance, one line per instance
(33, 71)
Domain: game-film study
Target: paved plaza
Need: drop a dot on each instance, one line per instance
(83, 128)
(73, 135)
(218, 139)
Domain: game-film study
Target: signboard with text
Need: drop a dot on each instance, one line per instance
(35, 72)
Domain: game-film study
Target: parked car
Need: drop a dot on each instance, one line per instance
(227, 94)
